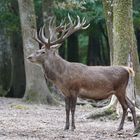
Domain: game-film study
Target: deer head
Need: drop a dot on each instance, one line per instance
(49, 43)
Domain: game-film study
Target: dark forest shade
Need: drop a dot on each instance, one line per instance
(17, 88)
(138, 41)
(94, 57)
(5, 62)
(73, 48)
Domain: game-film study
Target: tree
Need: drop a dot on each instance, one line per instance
(5, 53)
(17, 86)
(108, 11)
(73, 48)
(36, 89)
(47, 9)
(124, 45)
(122, 33)
(5, 62)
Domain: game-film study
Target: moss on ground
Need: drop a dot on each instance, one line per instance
(18, 106)
(110, 113)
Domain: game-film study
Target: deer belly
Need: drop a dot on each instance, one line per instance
(95, 94)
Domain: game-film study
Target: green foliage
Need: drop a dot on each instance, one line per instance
(136, 18)
(19, 107)
(38, 11)
(9, 17)
(91, 9)
(83, 42)
(136, 14)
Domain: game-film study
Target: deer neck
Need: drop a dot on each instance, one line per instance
(54, 67)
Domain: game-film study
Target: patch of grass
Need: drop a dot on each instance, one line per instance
(21, 107)
(114, 116)
(109, 111)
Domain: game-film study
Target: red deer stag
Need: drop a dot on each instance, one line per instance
(76, 79)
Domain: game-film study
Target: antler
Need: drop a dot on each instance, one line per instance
(63, 31)
(35, 37)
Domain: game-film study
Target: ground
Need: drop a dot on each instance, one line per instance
(24, 121)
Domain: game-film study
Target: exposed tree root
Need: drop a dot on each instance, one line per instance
(137, 131)
(114, 110)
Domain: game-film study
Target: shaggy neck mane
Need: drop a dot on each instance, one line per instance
(55, 67)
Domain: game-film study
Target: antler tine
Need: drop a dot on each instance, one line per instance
(78, 23)
(60, 26)
(86, 27)
(35, 37)
(62, 30)
(54, 21)
(82, 24)
(70, 29)
(51, 22)
(40, 33)
(84, 21)
(43, 38)
(70, 20)
(49, 42)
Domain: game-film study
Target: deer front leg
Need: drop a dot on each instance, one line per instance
(67, 107)
(72, 107)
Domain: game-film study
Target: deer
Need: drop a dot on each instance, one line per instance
(77, 79)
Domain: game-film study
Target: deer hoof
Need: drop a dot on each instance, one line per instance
(72, 128)
(66, 128)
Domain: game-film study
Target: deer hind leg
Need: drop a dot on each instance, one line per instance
(67, 107)
(132, 109)
(121, 98)
(72, 108)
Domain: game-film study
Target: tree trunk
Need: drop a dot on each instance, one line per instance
(108, 11)
(47, 11)
(136, 66)
(17, 88)
(73, 48)
(123, 41)
(36, 89)
(122, 31)
(47, 6)
(138, 41)
(5, 62)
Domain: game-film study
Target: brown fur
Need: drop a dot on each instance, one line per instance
(78, 80)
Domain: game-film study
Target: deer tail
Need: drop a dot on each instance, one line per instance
(130, 70)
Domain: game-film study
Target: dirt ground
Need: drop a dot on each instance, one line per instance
(22, 121)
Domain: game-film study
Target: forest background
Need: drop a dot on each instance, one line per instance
(113, 38)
